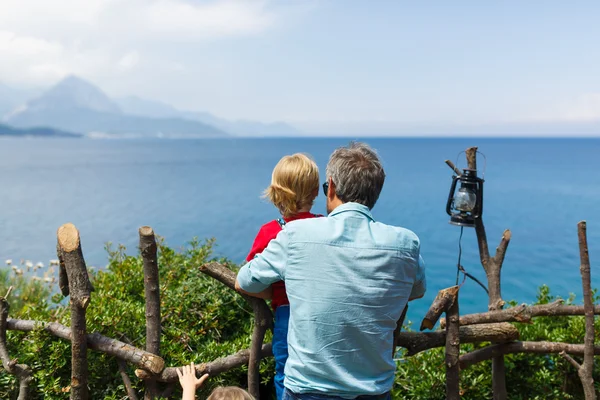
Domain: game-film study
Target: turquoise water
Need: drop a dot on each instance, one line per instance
(539, 189)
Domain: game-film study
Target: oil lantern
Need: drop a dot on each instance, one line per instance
(465, 205)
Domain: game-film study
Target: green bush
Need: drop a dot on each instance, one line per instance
(203, 320)
(528, 376)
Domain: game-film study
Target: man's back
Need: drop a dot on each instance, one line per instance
(348, 279)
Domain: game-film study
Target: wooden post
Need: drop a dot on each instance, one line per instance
(263, 320)
(398, 329)
(447, 301)
(148, 250)
(585, 370)
(492, 267)
(452, 351)
(21, 371)
(70, 255)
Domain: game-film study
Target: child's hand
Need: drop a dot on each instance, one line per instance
(188, 380)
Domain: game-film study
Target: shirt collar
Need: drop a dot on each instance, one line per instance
(352, 207)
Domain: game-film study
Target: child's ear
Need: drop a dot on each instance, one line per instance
(315, 193)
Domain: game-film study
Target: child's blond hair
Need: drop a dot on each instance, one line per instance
(229, 393)
(294, 184)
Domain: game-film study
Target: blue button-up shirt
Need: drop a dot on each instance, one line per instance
(348, 278)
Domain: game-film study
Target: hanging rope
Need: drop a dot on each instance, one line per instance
(460, 268)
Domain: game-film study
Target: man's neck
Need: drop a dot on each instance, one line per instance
(333, 204)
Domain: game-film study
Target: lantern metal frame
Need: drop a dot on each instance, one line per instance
(468, 180)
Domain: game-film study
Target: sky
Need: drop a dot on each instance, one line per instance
(324, 65)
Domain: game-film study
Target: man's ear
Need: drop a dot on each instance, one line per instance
(331, 190)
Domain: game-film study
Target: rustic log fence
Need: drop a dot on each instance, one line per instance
(493, 326)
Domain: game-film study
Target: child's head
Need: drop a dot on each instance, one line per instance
(229, 393)
(294, 184)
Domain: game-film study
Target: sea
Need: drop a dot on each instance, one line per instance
(538, 188)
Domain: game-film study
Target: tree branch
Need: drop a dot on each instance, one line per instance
(524, 313)
(21, 371)
(213, 368)
(95, 341)
(453, 167)
(443, 301)
(126, 381)
(501, 249)
(474, 357)
(570, 359)
(221, 273)
(415, 342)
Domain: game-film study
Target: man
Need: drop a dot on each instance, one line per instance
(348, 278)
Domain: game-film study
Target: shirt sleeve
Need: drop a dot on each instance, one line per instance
(420, 285)
(267, 267)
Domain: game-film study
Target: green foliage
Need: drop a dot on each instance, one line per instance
(203, 320)
(528, 376)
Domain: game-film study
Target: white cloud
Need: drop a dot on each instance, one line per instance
(27, 46)
(580, 108)
(223, 18)
(29, 60)
(584, 108)
(41, 40)
(129, 60)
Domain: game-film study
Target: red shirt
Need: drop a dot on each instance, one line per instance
(266, 233)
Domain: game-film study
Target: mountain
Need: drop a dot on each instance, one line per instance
(11, 98)
(6, 130)
(78, 106)
(74, 93)
(146, 108)
(156, 109)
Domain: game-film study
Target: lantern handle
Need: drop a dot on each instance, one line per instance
(484, 162)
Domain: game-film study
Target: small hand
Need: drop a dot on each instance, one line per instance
(188, 380)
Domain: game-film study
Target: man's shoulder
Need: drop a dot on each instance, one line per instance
(399, 234)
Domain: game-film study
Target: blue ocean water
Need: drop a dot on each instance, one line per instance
(539, 188)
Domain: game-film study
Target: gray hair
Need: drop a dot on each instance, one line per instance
(357, 174)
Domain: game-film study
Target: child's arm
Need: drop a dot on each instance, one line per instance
(189, 382)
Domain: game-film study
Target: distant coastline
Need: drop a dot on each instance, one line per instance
(10, 131)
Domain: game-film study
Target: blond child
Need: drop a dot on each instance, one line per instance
(189, 383)
(294, 187)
